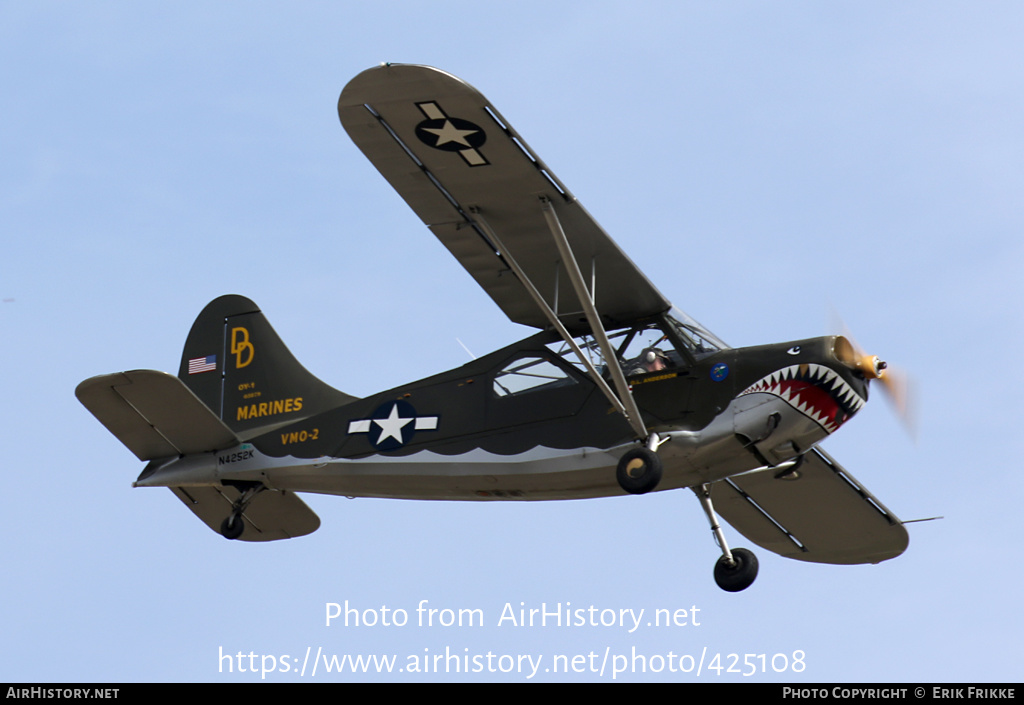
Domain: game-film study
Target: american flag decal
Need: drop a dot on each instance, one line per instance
(202, 364)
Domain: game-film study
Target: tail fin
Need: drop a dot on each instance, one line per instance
(239, 367)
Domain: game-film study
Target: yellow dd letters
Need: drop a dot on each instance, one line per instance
(242, 349)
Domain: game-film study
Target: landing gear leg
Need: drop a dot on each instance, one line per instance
(640, 469)
(736, 569)
(233, 526)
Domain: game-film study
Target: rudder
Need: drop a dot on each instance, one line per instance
(238, 366)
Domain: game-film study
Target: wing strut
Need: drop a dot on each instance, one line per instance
(631, 412)
(623, 402)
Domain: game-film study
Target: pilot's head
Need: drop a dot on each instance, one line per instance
(653, 359)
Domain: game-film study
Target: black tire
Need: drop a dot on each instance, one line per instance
(740, 576)
(232, 527)
(639, 471)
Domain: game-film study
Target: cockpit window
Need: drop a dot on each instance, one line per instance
(647, 349)
(641, 349)
(673, 340)
(697, 339)
(530, 374)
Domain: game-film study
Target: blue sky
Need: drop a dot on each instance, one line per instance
(764, 164)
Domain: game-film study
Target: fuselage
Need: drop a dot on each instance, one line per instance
(526, 423)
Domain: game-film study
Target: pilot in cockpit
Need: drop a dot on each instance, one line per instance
(650, 360)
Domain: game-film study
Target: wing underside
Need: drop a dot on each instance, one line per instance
(823, 516)
(475, 183)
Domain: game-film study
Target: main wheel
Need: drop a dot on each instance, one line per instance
(232, 527)
(740, 575)
(639, 471)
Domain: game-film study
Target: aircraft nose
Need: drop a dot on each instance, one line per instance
(871, 366)
(897, 387)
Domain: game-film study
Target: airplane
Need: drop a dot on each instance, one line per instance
(617, 392)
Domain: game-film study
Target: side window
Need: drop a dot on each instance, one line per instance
(530, 374)
(647, 349)
(640, 350)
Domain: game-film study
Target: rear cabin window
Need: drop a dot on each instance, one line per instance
(530, 374)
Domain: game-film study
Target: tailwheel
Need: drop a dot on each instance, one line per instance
(738, 574)
(232, 527)
(639, 471)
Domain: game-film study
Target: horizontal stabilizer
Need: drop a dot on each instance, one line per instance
(819, 514)
(272, 515)
(154, 414)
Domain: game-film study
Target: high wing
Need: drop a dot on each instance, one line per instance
(823, 516)
(480, 189)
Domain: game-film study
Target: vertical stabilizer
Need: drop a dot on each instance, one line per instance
(239, 367)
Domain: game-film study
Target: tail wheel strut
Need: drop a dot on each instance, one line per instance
(234, 524)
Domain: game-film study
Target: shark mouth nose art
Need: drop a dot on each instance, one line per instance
(816, 391)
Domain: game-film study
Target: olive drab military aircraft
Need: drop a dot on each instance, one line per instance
(616, 393)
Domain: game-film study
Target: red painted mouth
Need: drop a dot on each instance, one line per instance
(815, 391)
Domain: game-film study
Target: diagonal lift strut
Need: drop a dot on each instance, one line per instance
(622, 401)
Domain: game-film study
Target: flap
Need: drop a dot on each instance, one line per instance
(154, 414)
(465, 172)
(823, 516)
(272, 515)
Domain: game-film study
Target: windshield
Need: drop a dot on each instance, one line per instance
(698, 339)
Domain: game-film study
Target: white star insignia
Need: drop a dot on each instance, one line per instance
(392, 426)
(449, 133)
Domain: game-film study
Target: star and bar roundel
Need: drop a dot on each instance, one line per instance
(451, 134)
(392, 425)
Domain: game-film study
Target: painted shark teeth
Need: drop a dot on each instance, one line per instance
(783, 383)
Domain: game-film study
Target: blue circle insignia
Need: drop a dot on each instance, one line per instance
(393, 425)
(719, 372)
